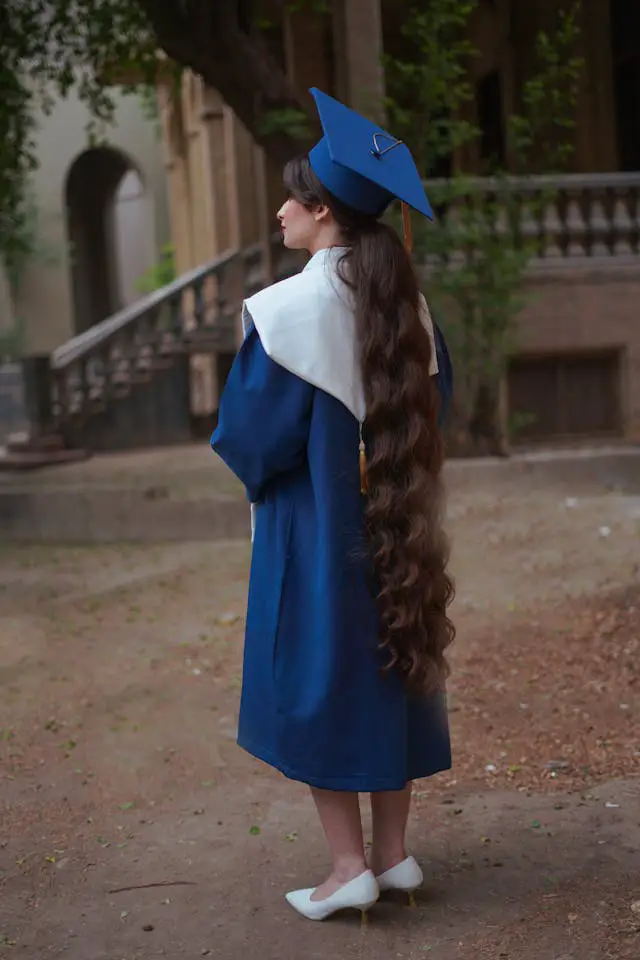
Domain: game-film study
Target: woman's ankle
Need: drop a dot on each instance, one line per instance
(348, 868)
(382, 860)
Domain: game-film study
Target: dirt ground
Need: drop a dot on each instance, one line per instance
(120, 674)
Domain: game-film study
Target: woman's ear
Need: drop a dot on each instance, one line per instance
(321, 213)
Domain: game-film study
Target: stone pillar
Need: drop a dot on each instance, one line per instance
(358, 46)
(215, 197)
(596, 114)
(176, 161)
(6, 303)
(308, 53)
(37, 387)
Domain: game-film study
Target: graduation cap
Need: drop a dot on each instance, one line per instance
(363, 165)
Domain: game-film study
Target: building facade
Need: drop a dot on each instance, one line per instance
(100, 219)
(576, 369)
(579, 335)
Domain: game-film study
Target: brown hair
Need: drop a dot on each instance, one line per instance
(404, 449)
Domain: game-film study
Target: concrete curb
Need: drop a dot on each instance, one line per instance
(95, 514)
(103, 516)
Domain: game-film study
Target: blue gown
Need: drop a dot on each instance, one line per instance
(314, 702)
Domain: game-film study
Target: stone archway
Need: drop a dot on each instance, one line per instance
(110, 233)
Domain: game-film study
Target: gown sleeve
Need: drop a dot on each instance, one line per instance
(444, 376)
(263, 421)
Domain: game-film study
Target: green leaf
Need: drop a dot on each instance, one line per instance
(254, 831)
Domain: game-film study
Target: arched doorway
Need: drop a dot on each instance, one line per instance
(110, 231)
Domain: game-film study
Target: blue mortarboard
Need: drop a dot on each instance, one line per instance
(363, 165)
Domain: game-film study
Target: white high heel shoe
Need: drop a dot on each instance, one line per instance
(405, 876)
(359, 894)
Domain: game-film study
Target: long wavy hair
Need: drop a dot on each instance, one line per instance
(404, 504)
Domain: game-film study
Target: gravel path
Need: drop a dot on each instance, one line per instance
(120, 671)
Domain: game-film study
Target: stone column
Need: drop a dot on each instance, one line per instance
(358, 46)
(308, 53)
(596, 115)
(176, 162)
(6, 303)
(215, 197)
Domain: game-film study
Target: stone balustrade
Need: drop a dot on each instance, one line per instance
(197, 315)
(567, 220)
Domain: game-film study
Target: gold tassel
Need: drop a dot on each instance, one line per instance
(406, 226)
(363, 465)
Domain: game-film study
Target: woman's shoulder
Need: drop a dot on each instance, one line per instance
(295, 291)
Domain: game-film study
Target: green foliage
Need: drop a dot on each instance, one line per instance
(287, 120)
(427, 90)
(148, 99)
(45, 50)
(479, 249)
(161, 273)
(540, 137)
(27, 244)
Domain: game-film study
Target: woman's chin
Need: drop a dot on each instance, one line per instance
(291, 244)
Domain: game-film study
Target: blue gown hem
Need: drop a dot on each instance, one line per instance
(354, 784)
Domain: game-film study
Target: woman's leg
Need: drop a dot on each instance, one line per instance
(390, 812)
(339, 813)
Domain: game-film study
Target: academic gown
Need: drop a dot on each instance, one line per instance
(314, 704)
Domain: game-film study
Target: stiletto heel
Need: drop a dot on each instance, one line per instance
(360, 894)
(405, 876)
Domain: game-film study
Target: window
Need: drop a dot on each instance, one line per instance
(564, 396)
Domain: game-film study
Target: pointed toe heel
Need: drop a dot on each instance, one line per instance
(359, 894)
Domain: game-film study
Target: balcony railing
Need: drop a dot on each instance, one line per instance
(572, 220)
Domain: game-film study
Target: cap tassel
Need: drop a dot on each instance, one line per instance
(406, 225)
(364, 486)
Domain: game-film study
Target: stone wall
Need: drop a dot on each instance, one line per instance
(12, 412)
(592, 308)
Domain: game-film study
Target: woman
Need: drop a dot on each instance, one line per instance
(330, 419)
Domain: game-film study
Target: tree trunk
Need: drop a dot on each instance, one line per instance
(210, 38)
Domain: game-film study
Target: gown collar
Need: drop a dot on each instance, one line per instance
(328, 256)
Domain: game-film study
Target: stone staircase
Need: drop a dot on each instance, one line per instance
(149, 376)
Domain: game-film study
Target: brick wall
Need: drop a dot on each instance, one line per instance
(589, 308)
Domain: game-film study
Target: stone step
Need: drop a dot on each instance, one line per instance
(25, 443)
(38, 459)
(24, 452)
